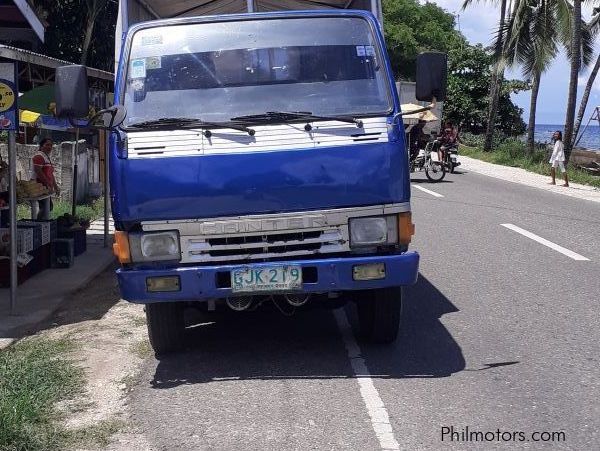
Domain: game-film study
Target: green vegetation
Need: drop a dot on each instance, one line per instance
(34, 376)
(142, 349)
(90, 211)
(512, 153)
(411, 27)
(80, 30)
(469, 78)
(96, 436)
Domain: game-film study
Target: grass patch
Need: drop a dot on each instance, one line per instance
(138, 321)
(34, 376)
(90, 211)
(96, 436)
(142, 349)
(125, 333)
(512, 153)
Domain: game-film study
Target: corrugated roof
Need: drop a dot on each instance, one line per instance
(16, 54)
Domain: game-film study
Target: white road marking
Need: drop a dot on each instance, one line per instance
(428, 191)
(545, 242)
(380, 419)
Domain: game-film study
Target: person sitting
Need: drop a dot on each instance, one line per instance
(447, 139)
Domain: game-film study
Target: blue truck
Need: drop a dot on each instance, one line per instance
(259, 158)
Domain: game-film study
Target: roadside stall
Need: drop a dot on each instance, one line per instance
(32, 245)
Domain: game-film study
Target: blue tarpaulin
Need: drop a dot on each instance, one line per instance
(54, 123)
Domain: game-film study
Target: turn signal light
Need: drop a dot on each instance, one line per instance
(406, 229)
(121, 247)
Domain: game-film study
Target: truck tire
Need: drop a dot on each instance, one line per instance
(166, 327)
(379, 314)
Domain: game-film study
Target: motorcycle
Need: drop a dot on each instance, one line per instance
(450, 158)
(427, 159)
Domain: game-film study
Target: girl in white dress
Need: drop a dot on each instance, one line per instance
(557, 160)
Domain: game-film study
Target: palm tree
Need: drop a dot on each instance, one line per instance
(532, 43)
(595, 28)
(533, 34)
(575, 67)
(497, 73)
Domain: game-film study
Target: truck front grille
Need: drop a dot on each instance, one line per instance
(265, 245)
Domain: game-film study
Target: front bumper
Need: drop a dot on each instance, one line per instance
(200, 283)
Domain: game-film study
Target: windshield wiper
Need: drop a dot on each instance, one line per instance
(286, 116)
(188, 122)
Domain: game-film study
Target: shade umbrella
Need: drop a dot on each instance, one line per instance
(413, 118)
(28, 117)
(38, 100)
(428, 116)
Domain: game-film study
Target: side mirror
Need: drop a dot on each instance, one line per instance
(71, 92)
(432, 76)
(109, 118)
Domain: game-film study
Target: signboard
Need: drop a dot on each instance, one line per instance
(8, 97)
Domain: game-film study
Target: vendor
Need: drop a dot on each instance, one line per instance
(44, 174)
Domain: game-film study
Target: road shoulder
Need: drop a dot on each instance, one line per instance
(109, 346)
(523, 177)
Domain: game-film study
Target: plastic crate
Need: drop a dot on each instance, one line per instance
(41, 260)
(52, 224)
(22, 273)
(37, 233)
(62, 253)
(79, 238)
(24, 239)
(45, 230)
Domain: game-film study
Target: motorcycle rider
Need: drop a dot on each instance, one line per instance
(447, 139)
(417, 139)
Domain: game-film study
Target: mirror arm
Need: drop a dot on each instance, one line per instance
(429, 107)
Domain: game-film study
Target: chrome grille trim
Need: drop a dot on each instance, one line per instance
(299, 234)
(199, 250)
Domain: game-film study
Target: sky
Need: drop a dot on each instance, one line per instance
(478, 23)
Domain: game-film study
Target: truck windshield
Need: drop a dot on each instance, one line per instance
(330, 66)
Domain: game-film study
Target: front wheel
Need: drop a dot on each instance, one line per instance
(166, 326)
(435, 171)
(379, 314)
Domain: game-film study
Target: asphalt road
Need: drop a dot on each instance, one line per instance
(501, 335)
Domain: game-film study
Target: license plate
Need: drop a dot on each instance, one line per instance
(266, 278)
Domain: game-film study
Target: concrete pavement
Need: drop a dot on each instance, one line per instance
(499, 335)
(518, 175)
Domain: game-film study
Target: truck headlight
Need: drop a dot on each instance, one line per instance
(146, 247)
(375, 231)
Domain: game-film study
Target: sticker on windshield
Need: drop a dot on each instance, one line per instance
(153, 62)
(138, 68)
(152, 40)
(370, 50)
(360, 50)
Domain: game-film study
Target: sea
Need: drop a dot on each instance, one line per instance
(590, 139)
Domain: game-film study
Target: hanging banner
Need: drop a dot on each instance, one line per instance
(8, 97)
